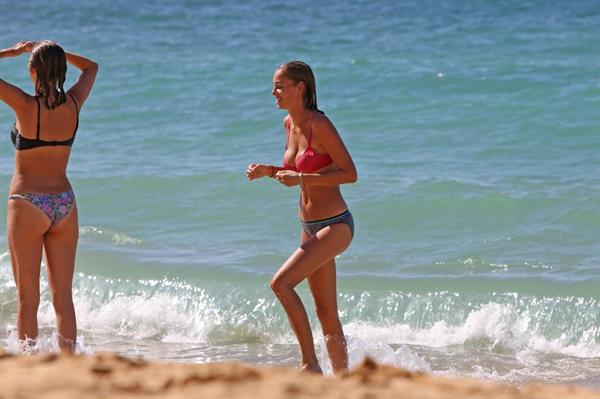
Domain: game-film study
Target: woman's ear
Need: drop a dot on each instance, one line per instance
(302, 88)
(33, 77)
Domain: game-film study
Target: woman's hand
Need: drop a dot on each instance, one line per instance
(256, 171)
(23, 47)
(288, 178)
(18, 49)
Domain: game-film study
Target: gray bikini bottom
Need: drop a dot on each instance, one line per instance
(311, 228)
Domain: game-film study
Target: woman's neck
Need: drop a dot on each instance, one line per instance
(299, 115)
(51, 97)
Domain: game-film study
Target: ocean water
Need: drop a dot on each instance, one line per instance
(476, 133)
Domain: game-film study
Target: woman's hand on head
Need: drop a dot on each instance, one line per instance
(256, 171)
(23, 47)
(288, 178)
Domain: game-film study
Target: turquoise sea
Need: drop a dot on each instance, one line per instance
(475, 128)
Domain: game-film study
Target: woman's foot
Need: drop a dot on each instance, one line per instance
(311, 368)
(338, 351)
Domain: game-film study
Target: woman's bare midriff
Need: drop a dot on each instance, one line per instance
(41, 171)
(318, 203)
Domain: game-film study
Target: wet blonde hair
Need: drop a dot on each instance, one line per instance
(298, 71)
(49, 62)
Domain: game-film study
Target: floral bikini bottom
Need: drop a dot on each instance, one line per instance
(55, 206)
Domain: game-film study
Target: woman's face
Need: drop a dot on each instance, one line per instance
(286, 92)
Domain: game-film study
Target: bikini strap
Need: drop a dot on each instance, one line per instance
(287, 132)
(37, 99)
(75, 102)
(309, 134)
(77, 109)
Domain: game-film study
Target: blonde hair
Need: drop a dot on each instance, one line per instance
(50, 64)
(299, 71)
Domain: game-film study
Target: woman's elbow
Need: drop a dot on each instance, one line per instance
(92, 66)
(352, 176)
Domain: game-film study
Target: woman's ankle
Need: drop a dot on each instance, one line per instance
(311, 368)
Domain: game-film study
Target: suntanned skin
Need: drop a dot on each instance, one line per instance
(43, 170)
(320, 198)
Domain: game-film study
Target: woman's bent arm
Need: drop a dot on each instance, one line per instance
(12, 95)
(344, 171)
(257, 170)
(81, 89)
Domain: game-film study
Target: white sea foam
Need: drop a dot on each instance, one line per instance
(493, 325)
(97, 234)
(499, 339)
(170, 318)
(174, 311)
(42, 344)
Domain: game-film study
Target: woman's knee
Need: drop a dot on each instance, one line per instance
(280, 286)
(276, 284)
(62, 303)
(29, 303)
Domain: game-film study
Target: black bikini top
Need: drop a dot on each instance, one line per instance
(24, 143)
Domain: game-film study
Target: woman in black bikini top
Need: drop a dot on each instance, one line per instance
(42, 213)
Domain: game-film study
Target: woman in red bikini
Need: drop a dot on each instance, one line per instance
(42, 214)
(317, 160)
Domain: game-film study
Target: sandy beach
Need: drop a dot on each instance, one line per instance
(113, 376)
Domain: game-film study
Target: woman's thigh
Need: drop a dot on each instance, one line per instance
(314, 253)
(60, 246)
(26, 225)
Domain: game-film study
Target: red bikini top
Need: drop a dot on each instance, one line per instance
(310, 160)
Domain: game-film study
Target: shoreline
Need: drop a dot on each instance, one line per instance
(102, 375)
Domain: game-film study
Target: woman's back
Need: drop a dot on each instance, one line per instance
(42, 217)
(43, 138)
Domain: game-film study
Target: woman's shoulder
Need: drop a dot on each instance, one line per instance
(15, 97)
(287, 121)
(321, 123)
